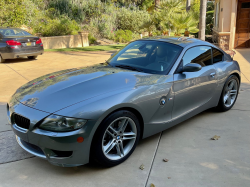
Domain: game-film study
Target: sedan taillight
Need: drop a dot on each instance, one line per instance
(39, 41)
(13, 42)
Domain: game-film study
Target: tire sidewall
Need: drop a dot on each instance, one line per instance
(1, 59)
(96, 148)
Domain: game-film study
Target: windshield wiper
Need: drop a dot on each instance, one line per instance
(129, 67)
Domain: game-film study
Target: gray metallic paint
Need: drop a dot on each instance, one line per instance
(94, 92)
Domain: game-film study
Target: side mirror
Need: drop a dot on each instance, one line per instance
(191, 67)
(112, 54)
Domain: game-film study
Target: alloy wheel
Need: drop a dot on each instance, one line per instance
(230, 93)
(119, 138)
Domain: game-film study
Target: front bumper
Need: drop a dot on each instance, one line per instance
(61, 149)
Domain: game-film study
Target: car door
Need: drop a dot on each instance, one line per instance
(194, 89)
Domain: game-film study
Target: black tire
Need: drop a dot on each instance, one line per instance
(1, 59)
(221, 105)
(32, 57)
(97, 154)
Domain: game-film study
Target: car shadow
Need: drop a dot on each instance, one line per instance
(17, 60)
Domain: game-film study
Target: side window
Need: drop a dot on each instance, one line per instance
(217, 56)
(200, 55)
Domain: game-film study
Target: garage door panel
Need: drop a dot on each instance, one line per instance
(242, 43)
(243, 24)
(244, 14)
(243, 35)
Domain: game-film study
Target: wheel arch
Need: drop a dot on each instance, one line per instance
(137, 114)
(128, 108)
(237, 75)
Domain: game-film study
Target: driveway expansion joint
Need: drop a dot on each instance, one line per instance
(16, 160)
(152, 162)
(17, 73)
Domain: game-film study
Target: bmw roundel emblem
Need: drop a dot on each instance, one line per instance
(118, 137)
(162, 101)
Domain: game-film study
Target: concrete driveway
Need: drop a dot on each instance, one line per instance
(194, 159)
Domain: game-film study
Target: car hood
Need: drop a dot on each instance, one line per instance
(58, 90)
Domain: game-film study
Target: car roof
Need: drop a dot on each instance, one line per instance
(181, 41)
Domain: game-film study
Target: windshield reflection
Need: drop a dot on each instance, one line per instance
(153, 57)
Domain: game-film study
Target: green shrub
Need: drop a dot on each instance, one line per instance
(131, 19)
(67, 8)
(157, 33)
(13, 13)
(57, 27)
(123, 36)
(136, 36)
(103, 26)
(91, 38)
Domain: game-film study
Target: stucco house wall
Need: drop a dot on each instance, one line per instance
(224, 31)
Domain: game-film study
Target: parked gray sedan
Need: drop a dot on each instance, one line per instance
(15, 43)
(100, 113)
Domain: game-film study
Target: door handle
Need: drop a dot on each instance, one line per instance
(212, 75)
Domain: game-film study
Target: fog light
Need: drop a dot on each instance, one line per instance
(80, 139)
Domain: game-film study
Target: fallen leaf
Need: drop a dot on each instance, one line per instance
(215, 137)
(152, 185)
(142, 167)
(165, 160)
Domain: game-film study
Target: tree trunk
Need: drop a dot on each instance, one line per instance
(188, 5)
(157, 4)
(202, 24)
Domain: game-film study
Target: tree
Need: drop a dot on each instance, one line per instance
(188, 5)
(184, 21)
(202, 24)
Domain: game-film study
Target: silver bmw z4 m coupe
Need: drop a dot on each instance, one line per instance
(100, 113)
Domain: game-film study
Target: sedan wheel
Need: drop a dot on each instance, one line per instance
(116, 138)
(1, 59)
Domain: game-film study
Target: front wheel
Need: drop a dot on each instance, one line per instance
(32, 57)
(116, 138)
(229, 94)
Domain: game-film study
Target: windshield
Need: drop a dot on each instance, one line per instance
(147, 56)
(13, 32)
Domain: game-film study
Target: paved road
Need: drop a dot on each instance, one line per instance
(194, 159)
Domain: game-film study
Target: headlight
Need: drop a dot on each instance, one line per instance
(61, 123)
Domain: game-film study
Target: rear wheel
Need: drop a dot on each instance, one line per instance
(32, 57)
(116, 138)
(229, 94)
(1, 59)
